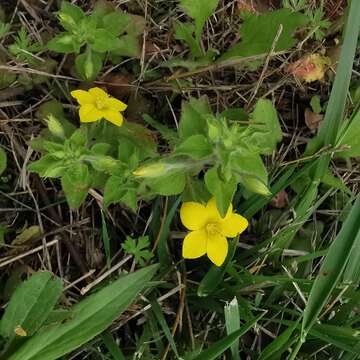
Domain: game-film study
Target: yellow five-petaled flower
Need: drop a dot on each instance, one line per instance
(96, 104)
(209, 230)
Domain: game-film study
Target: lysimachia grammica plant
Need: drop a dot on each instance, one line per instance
(210, 155)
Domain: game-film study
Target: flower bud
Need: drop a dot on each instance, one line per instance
(104, 163)
(153, 170)
(255, 185)
(55, 127)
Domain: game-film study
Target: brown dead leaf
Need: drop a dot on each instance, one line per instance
(312, 120)
(253, 6)
(19, 331)
(280, 200)
(310, 67)
(138, 105)
(119, 85)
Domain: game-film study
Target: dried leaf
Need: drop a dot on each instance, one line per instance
(312, 120)
(27, 235)
(119, 85)
(310, 67)
(280, 200)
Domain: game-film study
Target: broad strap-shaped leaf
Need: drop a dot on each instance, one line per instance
(31, 304)
(89, 318)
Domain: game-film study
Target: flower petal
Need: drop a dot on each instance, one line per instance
(98, 93)
(82, 97)
(213, 212)
(233, 225)
(217, 249)
(194, 244)
(89, 113)
(113, 116)
(193, 215)
(115, 104)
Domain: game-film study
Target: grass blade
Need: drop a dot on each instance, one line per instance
(214, 351)
(279, 344)
(105, 239)
(331, 270)
(112, 346)
(232, 323)
(161, 319)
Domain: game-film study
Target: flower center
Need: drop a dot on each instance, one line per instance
(212, 229)
(100, 103)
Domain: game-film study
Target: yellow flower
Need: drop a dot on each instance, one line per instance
(96, 104)
(209, 230)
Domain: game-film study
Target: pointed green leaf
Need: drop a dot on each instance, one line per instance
(89, 318)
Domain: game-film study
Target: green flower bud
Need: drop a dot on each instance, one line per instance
(255, 185)
(104, 163)
(153, 170)
(55, 127)
(213, 132)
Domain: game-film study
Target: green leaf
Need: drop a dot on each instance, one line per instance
(193, 117)
(223, 191)
(139, 248)
(259, 31)
(79, 138)
(349, 136)
(70, 14)
(167, 133)
(104, 41)
(114, 190)
(88, 65)
(315, 104)
(218, 348)
(64, 43)
(31, 304)
(89, 318)
(244, 162)
(264, 131)
(3, 160)
(185, 31)
(199, 10)
(167, 185)
(196, 146)
(100, 148)
(330, 180)
(48, 166)
(128, 45)
(76, 183)
(332, 268)
(116, 22)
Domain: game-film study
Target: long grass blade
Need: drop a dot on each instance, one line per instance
(332, 268)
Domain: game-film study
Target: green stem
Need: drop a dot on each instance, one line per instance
(296, 350)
